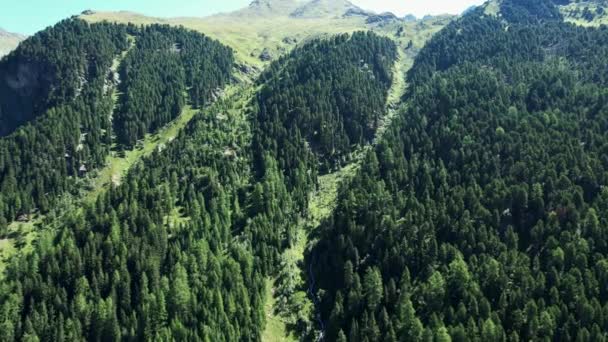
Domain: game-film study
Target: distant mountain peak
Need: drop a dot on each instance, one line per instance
(298, 8)
(9, 41)
(324, 9)
(271, 7)
(5, 33)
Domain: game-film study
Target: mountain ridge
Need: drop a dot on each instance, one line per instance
(9, 41)
(267, 8)
(267, 29)
(324, 8)
(300, 9)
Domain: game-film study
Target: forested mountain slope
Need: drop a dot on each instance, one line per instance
(58, 98)
(51, 68)
(56, 102)
(476, 211)
(321, 102)
(481, 215)
(181, 248)
(165, 64)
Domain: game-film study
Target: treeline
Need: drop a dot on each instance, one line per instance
(320, 102)
(165, 66)
(64, 75)
(482, 214)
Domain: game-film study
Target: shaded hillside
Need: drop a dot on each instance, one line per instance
(50, 82)
(481, 216)
(52, 68)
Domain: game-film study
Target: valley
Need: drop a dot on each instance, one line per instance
(306, 170)
(291, 282)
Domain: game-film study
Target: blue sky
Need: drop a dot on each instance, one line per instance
(29, 16)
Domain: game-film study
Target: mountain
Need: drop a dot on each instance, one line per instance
(324, 9)
(296, 8)
(308, 170)
(268, 29)
(61, 88)
(9, 41)
(472, 220)
(196, 223)
(268, 8)
(167, 151)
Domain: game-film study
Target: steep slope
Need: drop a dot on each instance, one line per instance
(164, 64)
(249, 36)
(481, 214)
(336, 91)
(9, 41)
(291, 307)
(58, 93)
(59, 103)
(51, 69)
(165, 256)
(182, 245)
(321, 119)
(179, 250)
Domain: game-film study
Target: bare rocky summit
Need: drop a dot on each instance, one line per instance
(9, 41)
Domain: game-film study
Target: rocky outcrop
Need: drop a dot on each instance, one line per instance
(300, 9)
(246, 69)
(324, 9)
(357, 12)
(382, 17)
